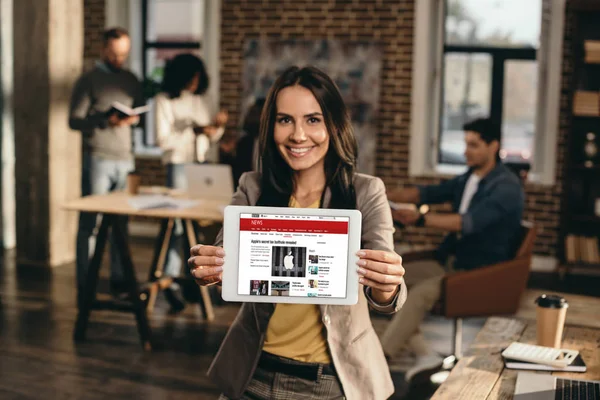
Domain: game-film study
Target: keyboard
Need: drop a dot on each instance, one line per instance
(567, 389)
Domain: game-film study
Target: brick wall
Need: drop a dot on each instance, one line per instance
(389, 22)
(152, 170)
(94, 21)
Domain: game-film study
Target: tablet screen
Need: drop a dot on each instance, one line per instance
(293, 255)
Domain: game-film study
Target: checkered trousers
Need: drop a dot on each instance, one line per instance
(276, 386)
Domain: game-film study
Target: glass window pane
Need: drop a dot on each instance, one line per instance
(503, 23)
(518, 110)
(175, 20)
(467, 95)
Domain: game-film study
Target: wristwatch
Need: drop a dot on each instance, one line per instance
(423, 210)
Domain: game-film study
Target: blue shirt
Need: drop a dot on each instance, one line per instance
(492, 222)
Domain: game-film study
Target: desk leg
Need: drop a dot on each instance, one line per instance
(161, 248)
(158, 246)
(91, 280)
(206, 302)
(129, 272)
(457, 345)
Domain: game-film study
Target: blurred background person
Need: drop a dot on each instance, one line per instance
(187, 133)
(483, 229)
(243, 155)
(246, 150)
(107, 141)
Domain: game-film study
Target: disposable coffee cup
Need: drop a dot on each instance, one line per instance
(133, 183)
(551, 312)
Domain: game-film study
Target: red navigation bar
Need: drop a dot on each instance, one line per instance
(293, 225)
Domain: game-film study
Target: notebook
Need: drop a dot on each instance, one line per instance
(578, 365)
(125, 111)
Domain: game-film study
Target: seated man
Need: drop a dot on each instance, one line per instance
(487, 203)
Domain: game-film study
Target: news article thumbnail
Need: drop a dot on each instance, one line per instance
(259, 288)
(288, 261)
(280, 288)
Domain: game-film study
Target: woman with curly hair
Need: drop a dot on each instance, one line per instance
(187, 133)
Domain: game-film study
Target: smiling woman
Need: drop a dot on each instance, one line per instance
(302, 110)
(302, 139)
(308, 159)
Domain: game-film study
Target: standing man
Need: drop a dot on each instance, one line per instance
(107, 141)
(487, 203)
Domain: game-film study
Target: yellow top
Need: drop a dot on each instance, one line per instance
(295, 330)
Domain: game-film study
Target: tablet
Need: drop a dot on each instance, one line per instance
(291, 255)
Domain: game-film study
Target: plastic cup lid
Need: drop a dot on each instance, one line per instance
(551, 301)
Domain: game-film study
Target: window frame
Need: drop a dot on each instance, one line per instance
(152, 45)
(429, 49)
(499, 57)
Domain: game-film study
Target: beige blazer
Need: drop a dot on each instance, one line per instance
(354, 346)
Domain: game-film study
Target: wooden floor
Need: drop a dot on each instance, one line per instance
(39, 360)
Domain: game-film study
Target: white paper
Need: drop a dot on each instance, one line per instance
(402, 206)
(149, 201)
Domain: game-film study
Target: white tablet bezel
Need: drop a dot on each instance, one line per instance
(231, 237)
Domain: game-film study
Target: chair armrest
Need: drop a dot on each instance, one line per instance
(411, 256)
(492, 290)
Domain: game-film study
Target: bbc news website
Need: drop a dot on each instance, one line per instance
(293, 255)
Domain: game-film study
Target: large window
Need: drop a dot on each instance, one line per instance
(169, 27)
(490, 70)
(498, 59)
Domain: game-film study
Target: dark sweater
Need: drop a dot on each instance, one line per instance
(492, 223)
(92, 97)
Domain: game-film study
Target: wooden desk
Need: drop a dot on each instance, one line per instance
(116, 203)
(480, 374)
(111, 205)
(583, 310)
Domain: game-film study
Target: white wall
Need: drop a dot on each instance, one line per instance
(211, 49)
(8, 131)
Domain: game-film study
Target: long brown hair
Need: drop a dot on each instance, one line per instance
(277, 183)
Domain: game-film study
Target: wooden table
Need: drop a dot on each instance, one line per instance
(583, 310)
(115, 204)
(480, 374)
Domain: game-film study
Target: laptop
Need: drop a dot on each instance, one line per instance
(531, 386)
(209, 181)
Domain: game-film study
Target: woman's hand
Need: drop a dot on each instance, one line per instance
(221, 118)
(382, 271)
(206, 264)
(209, 130)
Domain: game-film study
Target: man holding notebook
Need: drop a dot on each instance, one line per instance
(96, 109)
